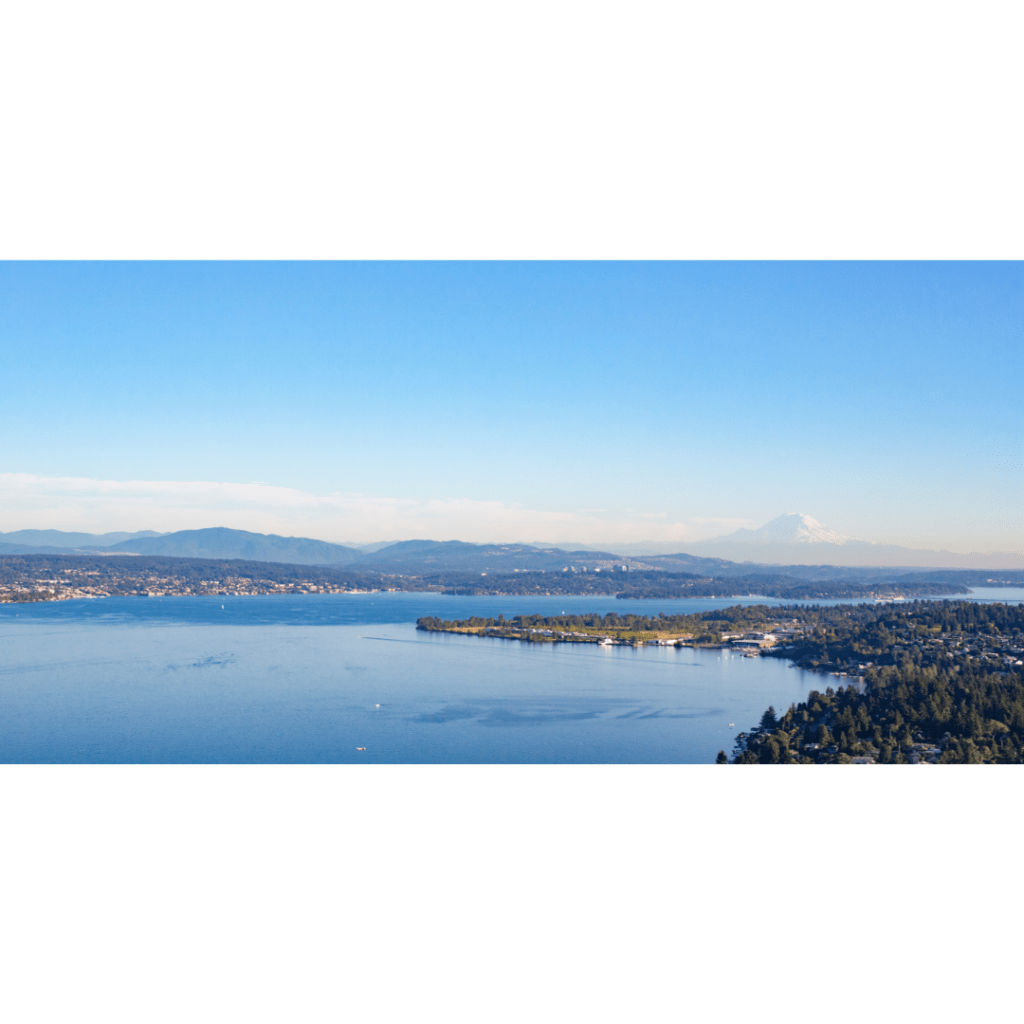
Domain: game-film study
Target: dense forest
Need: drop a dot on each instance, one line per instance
(655, 583)
(940, 682)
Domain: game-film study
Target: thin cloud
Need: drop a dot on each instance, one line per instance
(723, 522)
(82, 503)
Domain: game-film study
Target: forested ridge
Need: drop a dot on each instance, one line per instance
(940, 682)
(35, 577)
(659, 584)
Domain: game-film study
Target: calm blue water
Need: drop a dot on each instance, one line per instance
(309, 679)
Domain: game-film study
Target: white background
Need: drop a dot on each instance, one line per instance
(536, 129)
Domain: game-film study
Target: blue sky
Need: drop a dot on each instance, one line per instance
(515, 401)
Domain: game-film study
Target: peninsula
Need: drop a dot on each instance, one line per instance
(939, 682)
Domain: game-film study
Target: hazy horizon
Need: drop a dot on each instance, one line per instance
(856, 553)
(650, 546)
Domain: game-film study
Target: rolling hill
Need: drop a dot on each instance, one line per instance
(220, 542)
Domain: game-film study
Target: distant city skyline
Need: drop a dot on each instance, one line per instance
(533, 402)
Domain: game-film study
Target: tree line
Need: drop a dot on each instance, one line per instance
(942, 681)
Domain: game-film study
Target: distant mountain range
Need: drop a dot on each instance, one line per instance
(797, 538)
(794, 543)
(216, 542)
(220, 542)
(58, 541)
(408, 556)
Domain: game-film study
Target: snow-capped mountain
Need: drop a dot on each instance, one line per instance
(797, 539)
(791, 528)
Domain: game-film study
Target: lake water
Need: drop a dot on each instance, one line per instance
(310, 679)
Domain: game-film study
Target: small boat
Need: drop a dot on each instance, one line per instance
(360, 748)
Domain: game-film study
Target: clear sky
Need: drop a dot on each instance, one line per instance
(515, 401)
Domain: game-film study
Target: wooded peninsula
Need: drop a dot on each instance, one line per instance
(937, 682)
